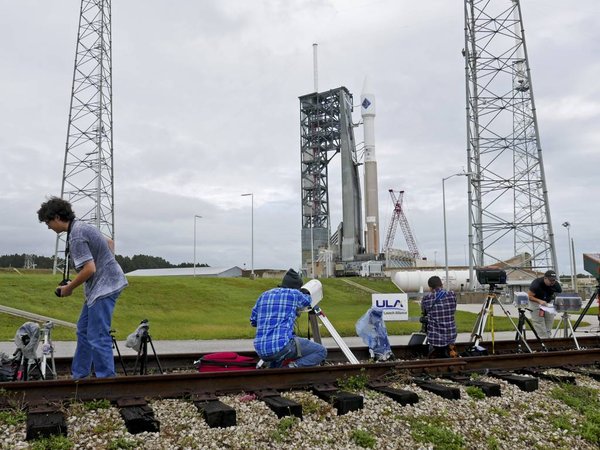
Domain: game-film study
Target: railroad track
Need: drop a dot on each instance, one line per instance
(190, 383)
(44, 398)
(184, 361)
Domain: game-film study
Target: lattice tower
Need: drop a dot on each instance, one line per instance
(509, 212)
(87, 180)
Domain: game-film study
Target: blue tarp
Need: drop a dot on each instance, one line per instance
(371, 328)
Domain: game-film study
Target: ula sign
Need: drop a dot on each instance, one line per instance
(394, 306)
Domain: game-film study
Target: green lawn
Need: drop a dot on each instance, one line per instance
(198, 308)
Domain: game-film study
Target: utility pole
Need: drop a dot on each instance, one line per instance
(87, 181)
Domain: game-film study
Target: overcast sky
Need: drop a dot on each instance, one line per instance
(205, 108)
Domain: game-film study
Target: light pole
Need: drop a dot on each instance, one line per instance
(195, 217)
(251, 194)
(444, 209)
(571, 248)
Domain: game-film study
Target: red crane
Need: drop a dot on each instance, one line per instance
(398, 216)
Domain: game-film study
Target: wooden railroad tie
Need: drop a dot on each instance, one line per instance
(527, 384)
(281, 406)
(489, 389)
(138, 415)
(401, 396)
(444, 391)
(216, 414)
(45, 420)
(342, 401)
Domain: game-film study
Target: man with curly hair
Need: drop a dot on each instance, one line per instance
(92, 255)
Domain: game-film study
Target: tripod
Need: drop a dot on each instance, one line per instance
(142, 354)
(587, 307)
(482, 318)
(520, 336)
(567, 325)
(25, 357)
(116, 347)
(47, 351)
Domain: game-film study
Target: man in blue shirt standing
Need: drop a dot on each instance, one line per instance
(274, 316)
(93, 256)
(440, 306)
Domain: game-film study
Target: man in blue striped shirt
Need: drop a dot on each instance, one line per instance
(274, 316)
(439, 306)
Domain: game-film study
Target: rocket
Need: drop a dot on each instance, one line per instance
(367, 111)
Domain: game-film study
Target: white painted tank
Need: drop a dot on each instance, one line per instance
(416, 280)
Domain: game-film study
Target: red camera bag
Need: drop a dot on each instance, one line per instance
(226, 361)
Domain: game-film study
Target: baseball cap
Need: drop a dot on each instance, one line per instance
(550, 274)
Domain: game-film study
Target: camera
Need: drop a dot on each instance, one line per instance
(491, 276)
(64, 282)
(424, 322)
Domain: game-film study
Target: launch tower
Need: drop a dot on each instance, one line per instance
(325, 130)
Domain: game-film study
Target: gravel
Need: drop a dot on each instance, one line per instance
(516, 420)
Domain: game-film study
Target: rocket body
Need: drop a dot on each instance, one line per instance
(367, 111)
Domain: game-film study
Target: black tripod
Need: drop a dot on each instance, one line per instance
(142, 354)
(587, 307)
(116, 347)
(520, 336)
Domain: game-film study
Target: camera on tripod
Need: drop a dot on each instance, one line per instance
(64, 282)
(491, 276)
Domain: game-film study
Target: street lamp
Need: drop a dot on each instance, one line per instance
(571, 248)
(444, 209)
(195, 217)
(251, 194)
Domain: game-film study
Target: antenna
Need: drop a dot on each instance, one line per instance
(87, 181)
(316, 66)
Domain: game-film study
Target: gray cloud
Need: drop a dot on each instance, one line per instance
(206, 108)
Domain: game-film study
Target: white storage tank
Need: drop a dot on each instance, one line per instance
(416, 280)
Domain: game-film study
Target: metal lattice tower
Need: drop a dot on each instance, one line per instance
(326, 130)
(509, 213)
(398, 217)
(88, 167)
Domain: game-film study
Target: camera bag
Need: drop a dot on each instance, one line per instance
(225, 361)
(417, 339)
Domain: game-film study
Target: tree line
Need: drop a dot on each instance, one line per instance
(127, 263)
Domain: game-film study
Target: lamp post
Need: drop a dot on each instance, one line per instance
(444, 209)
(251, 195)
(571, 248)
(195, 217)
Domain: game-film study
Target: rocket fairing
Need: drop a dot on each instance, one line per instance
(367, 111)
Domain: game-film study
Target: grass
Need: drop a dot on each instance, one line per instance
(435, 430)
(586, 402)
(198, 308)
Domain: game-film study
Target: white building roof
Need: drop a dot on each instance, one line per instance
(234, 271)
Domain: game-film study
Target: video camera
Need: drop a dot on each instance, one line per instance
(315, 290)
(491, 276)
(64, 282)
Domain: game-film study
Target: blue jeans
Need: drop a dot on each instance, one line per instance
(94, 343)
(311, 354)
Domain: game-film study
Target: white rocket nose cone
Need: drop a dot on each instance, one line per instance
(367, 100)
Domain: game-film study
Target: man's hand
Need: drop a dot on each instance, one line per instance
(305, 291)
(64, 291)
